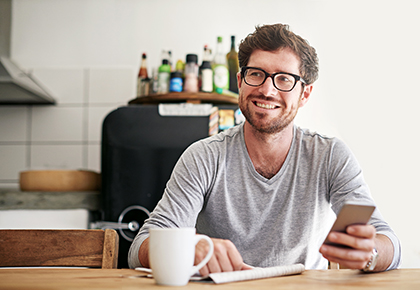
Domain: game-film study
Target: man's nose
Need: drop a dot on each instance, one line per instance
(268, 88)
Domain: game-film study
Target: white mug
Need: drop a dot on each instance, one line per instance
(172, 252)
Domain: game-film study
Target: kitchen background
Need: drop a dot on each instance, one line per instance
(87, 53)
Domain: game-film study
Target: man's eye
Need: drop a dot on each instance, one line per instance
(255, 74)
(283, 78)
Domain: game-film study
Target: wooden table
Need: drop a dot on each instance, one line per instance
(81, 279)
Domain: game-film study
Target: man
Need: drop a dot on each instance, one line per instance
(263, 189)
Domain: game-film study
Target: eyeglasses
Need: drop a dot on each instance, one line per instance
(282, 81)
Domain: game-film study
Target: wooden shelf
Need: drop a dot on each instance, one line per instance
(195, 98)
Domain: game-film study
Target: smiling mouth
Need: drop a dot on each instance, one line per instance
(265, 106)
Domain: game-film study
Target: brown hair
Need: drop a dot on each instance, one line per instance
(275, 36)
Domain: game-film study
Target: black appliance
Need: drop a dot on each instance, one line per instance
(139, 150)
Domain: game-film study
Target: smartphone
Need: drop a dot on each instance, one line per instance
(350, 214)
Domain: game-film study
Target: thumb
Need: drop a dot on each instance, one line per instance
(246, 267)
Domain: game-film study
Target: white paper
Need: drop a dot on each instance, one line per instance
(256, 273)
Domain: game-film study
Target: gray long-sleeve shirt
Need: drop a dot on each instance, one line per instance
(279, 221)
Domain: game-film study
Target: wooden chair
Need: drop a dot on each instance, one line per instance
(59, 248)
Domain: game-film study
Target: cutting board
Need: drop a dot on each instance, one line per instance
(59, 180)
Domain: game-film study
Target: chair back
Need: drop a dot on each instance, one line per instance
(59, 248)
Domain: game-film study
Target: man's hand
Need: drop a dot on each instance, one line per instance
(225, 257)
(360, 239)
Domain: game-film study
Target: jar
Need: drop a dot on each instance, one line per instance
(191, 74)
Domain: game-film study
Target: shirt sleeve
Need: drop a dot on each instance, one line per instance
(347, 183)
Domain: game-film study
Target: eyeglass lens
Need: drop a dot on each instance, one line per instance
(256, 77)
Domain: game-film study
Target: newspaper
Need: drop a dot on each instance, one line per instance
(235, 276)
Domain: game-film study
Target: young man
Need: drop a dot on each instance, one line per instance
(263, 189)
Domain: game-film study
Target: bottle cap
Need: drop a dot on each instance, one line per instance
(192, 58)
(165, 61)
(205, 64)
(179, 65)
(176, 74)
(219, 39)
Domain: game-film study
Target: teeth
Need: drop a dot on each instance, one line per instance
(265, 106)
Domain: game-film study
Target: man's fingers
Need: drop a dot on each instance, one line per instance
(201, 250)
(235, 258)
(350, 258)
(227, 255)
(214, 265)
(345, 253)
(246, 267)
(360, 242)
(362, 231)
(204, 271)
(364, 244)
(346, 263)
(225, 258)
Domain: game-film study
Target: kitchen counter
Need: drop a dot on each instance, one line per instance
(15, 199)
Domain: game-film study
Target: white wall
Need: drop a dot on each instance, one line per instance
(88, 52)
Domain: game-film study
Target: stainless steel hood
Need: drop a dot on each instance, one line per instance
(16, 86)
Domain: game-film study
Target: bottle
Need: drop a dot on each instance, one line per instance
(154, 84)
(191, 73)
(164, 77)
(180, 66)
(143, 80)
(206, 53)
(143, 67)
(176, 82)
(206, 77)
(170, 59)
(166, 54)
(233, 65)
(220, 69)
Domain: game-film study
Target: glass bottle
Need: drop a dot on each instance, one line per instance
(233, 65)
(154, 84)
(143, 80)
(206, 53)
(164, 76)
(206, 77)
(220, 68)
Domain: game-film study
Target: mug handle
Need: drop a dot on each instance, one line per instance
(209, 254)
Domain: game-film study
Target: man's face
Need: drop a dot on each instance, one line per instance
(267, 109)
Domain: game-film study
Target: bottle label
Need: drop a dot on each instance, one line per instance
(163, 82)
(221, 77)
(191, 83)
(207, 80)
(175, 85)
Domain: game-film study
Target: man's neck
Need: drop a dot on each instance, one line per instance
(268, 151)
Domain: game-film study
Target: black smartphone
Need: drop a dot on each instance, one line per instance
(350, 214)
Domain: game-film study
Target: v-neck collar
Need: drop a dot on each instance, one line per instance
(251, 165)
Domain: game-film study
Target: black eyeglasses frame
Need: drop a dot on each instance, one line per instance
(296, 77)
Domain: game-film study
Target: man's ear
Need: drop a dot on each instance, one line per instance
(305, 95)
(238, 76)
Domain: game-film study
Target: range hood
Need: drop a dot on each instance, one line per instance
(16, 86)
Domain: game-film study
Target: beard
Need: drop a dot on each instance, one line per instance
(261, 121)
